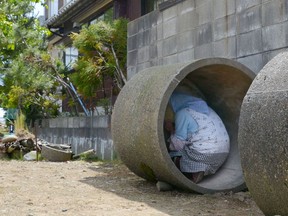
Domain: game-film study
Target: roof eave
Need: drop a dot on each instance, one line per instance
(67, 12)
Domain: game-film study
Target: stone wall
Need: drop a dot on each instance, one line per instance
(83, 133)
(249, 31)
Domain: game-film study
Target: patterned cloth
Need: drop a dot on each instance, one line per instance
(193, 161)
(210, 135)
(204, 149)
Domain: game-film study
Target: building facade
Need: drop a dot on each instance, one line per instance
(250, 32)
(63, 17)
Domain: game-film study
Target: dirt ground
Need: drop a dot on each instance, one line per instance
(82, 188)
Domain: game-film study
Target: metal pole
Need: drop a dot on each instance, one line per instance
(79, 99)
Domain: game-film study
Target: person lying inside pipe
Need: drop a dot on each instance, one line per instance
(199, 137)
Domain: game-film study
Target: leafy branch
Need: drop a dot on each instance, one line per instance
(103, 47)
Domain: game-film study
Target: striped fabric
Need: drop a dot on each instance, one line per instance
(193, 161)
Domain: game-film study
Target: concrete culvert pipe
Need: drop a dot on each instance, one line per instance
(263, 137)
(138, 117)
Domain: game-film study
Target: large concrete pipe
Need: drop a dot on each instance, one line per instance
(263, 137)
(138, 116)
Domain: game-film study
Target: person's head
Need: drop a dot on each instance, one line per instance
(169, 119)
(169, 126)
(169, 114)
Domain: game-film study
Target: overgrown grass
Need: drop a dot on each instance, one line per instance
(19, 123)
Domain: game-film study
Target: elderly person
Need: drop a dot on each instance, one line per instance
(200, 136)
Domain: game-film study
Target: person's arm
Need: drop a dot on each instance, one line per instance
(176, 144)
(184, 123)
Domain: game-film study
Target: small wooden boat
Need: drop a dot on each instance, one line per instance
(9, 138)
(55, 153)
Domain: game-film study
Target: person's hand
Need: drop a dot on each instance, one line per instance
(169, 126)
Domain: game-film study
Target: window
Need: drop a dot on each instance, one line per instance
(52, 7)
(107, 16)
(148, 6)
(164, 4)
(70, 56)
(67, 1)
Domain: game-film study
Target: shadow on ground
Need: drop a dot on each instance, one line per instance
(116, 178)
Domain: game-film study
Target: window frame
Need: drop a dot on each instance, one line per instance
(53, 8)
(71, 55)
(165, 4)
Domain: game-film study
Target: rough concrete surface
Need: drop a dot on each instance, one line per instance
(263, 137)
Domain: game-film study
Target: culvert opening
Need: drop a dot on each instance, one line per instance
(139, 113)
(196, 137)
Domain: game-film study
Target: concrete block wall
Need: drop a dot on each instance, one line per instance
(83, 133)
(249, 31)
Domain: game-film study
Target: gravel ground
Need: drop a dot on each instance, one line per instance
(97, 188)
